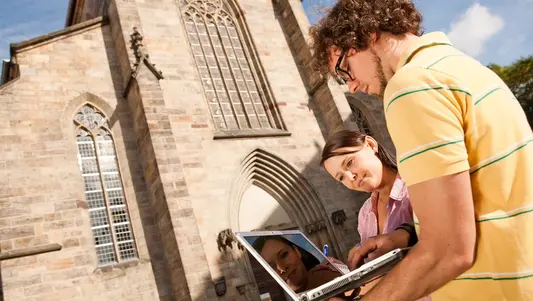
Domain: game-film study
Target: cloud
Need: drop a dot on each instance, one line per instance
(474, 28)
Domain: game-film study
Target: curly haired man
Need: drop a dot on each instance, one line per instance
(464, 148)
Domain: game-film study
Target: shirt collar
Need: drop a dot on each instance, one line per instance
(398, 190)
(397, 193)
(427, 40)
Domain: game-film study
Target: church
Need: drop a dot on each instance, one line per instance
(136, 140)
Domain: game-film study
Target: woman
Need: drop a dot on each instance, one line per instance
(360, 163)
(297, 267)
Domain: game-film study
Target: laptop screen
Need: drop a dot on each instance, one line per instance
(296, 261)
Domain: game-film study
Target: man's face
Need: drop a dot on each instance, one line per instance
(361, 70)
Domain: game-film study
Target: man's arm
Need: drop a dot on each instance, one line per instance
(446, 244)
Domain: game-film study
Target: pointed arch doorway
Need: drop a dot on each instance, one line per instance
(270, 194)
(259, 211)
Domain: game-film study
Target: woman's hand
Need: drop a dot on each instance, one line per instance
(335, 260)
(327, 265)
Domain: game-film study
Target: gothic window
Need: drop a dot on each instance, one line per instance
(108, 213)
(235, 91)
(360, 120)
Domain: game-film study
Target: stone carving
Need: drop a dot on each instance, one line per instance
(137, 44)
(315, 227)
(241, 289)
(338, 217)
(225, 240)
(141, 56)
(220, 286)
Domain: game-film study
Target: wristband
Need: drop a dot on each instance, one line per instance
(409, 228)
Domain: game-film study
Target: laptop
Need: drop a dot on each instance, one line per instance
(296, 258)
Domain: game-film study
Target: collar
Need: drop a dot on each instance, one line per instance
(397, 193)
(427, 40)
(398, 190)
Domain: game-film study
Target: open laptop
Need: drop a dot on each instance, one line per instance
(279, 248)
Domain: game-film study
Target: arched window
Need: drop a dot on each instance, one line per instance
(108, 213)
(237, 94)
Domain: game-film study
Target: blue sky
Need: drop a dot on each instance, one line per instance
(494, 31)
(25, 19)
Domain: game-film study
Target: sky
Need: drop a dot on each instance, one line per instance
(21, 20)
(493, 31)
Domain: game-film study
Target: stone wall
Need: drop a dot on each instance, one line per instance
(41, 188)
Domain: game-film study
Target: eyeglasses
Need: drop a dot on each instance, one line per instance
(343, 74)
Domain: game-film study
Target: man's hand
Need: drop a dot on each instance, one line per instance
(376, 246)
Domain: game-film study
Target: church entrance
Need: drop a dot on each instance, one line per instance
(261, 212)
(270, 194)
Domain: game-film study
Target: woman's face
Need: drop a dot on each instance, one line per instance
(361, 170)
(287, 261)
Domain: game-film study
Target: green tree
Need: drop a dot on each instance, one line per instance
(519, 77)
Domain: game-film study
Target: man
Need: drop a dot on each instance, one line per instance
(464, 148)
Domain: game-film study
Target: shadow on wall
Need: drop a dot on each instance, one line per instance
(149, 219)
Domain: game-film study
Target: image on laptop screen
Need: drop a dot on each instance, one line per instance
(295, 260)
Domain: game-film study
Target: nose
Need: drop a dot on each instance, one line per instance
(348, 175)
(282, 269)
(353, 85)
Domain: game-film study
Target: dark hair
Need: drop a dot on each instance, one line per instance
(347, 138)
(309, 260)
(350, 23)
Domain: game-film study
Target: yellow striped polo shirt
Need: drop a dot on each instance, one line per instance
(447, 113)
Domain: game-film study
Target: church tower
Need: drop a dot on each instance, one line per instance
(139, 138)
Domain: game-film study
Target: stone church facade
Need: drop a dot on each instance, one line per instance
(137, 139)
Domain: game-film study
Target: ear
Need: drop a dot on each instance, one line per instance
(351, 52)
(372, 143)
(373, 37)
(334, 50)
